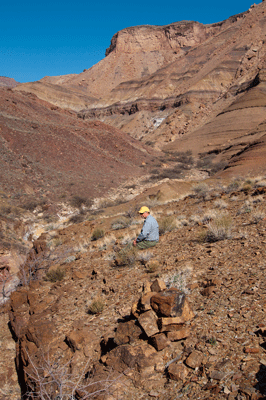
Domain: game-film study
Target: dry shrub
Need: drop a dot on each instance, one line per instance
(219, 228)
(97, 234)
(260, 183)
(96, 306)
(76, 219)
(201, 190)
(233, 186)
(179, 279)
(126, 256)
(166, 224)
(78, 202)
(55, 275)
(220, 203)
(121, 223)
(144, 256)
(257, 216)
(208, 216)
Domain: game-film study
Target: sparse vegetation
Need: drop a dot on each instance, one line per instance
(144, 256)
(257, 216)
(179, 279)
(121, 223)
(152, 266)
(166, 224)
(98, 233)
(220, 203)
(78, 202)
(219, 228)
(55, 275)
(96, 306)
(201, 190)
(77, 218)
(126, 256)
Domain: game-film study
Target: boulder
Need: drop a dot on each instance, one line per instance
(145, 301)
(195, 359)
(140, 356)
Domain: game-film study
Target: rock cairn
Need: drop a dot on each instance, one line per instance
(158, 318)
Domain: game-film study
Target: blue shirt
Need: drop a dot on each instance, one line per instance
(150, 230)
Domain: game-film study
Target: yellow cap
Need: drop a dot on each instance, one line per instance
(143, 210)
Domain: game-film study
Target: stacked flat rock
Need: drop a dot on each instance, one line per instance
(161, 315)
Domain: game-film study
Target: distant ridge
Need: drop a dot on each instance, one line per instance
(8, 82)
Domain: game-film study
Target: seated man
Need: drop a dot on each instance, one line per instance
(149, 235)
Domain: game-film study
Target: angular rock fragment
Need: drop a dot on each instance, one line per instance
(148, 322)
(127, 332)
(145, 301)
(158, 285)
(178, 335)
(172, 303)
(177, 371)
(159, 341)
(126, 356)
(194, 360)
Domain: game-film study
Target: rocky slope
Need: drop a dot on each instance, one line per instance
(85, 330)
(48, 152)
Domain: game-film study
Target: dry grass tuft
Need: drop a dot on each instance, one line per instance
(257, 216)
(98, 233)
(55, 275)
(219, 228)
(126, 256)
(201, 190)
(167, 224)
(96, 306)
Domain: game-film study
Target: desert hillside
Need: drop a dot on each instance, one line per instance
(172, 87)
(85, 316)
(172, 118)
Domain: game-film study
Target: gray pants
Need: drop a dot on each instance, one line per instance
(145, 244)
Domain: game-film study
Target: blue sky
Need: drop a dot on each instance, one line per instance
(58, 38)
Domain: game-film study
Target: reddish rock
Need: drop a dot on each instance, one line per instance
(126, 356)
(178, 335)
(127, 332)
(177, 371)
(158, 285)
(148, 322)
(145, 301)
(194, 360)
(251, 350)
(159, 341)
(208, 291)
(171, 303)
